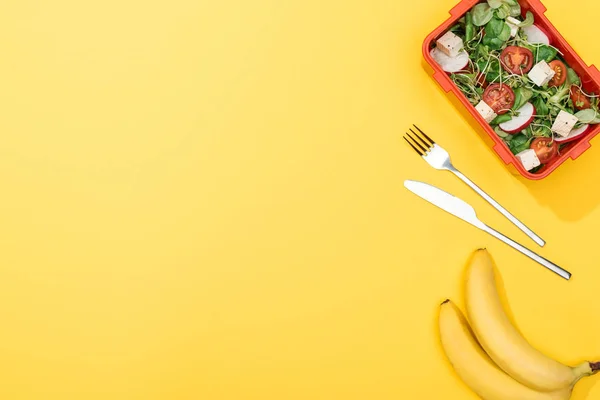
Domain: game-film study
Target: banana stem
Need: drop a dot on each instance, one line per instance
(595, 367)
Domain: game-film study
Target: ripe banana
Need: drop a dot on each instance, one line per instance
(475, 368)
(501, 340)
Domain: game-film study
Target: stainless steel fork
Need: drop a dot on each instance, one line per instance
(439, 159)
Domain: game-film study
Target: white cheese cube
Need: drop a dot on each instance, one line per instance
(450, 44)
(485, 111)
(564, 123)
(541, 73)
(514, 25)
(528, 159)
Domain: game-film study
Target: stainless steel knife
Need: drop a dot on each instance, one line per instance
(466, 212)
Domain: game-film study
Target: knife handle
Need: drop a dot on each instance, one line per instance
(498, 207)
(546, 263)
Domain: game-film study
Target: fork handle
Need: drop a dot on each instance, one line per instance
(536, 257)
(498, 207)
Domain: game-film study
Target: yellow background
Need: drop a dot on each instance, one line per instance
(204, 200)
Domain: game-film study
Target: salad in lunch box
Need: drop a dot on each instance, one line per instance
(519, 83)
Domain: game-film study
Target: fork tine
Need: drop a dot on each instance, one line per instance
(424, 134)
(412, 145)
(421, 139)
(417, 143)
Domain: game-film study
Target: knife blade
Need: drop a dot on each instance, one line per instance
(461, 209)
(445, 201)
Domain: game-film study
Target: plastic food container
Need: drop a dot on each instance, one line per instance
(590, 78)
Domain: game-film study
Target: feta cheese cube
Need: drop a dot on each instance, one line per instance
(485, 111)
(528, 159)
(564, 123)
(541, 73)
(513, 23)
(450, 44)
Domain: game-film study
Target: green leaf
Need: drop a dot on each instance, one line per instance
(501, 118)
(482, 14)
(518, 143)
(495, 3)
(500, 132)
(503, 12)
(496, 33)
(493, 43)
(511, 2)
(545, 53)
(505, 34)
(522, 96)
(529, 20)
(494, 27)
(515, 10)
(469, 27)
(455, 28)
(572, 77)
(588, 116)
(541, 108)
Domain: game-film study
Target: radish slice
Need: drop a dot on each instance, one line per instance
(450, 64)
(520, 121)
(573, 135)
(536, 35)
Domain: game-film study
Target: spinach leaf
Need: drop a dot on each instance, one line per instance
(496, 33)
(522, 96)
(500, 132)
(588, 116)
(505, 34)
(482, 14)
(545, 53)
(501, 118)
(469, 27)
(572, 77)
(495, 3)
(503, 12)
(493, 42)
(528, 20)
(515, 10)
(541, 108)
(494, 27)
(456, 28)
(518, 143)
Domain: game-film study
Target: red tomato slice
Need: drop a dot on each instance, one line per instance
(560, 73)
(545, 148)
(499, 97)
(516, 60)
(580, 100)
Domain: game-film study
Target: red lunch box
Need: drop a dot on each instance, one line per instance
(590, 78)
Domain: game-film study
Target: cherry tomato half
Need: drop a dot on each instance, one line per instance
(516, 60)
(499, 97)
(580, 100)
(545, 148)
(560, 73)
